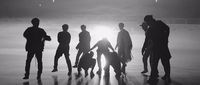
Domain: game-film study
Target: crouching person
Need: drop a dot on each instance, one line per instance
(113, 60)
(87, 62)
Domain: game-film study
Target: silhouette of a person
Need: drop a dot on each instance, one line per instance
(64, 39)
(158, 32)
(146, 49)
(87, 62)
(83, 45)
(103, 48)
(124, 45)
(35, 37)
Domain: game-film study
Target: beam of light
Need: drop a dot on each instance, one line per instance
(156, 1)
(53, 1)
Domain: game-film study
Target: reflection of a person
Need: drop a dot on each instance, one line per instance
(55, 79)
(39, 82)
(124, 45)
(35, 37)
(64, 39)
(103, 48)
(26, 83)
(83, 45)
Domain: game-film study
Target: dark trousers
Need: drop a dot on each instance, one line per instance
(145, 60)
(78, 56)
(30, 56)
(59, 53)
(165, 56)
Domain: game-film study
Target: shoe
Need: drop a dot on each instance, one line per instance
(26, 77)
(54, 70)
(69, 73)
(99, 72)
(38, 77)
(168, 79)
(91, 75)
(145, 71)
(75, 66)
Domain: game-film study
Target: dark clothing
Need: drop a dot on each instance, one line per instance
(83, 45)
(159, 33)
(146, 51)
(63, 48)
(86, 62)
(35, 39)
(84, 41)
(30, 56)
(124, 44)
(115, 61)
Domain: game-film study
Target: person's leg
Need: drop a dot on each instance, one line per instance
(57, 56)
(28, 61)
(99, 62)
(40, 66)
(86, 72)
(145, 60)
(108, 62)
(117, 69)
(77, 58)
(166, 64)
(68, 61)
(93, 65)
(154, 64)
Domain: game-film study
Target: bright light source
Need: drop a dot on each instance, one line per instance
(99, 31)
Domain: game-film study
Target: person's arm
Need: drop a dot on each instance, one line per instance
(117, 42)
(144, 45)
(69, 38)
(59, 38)
(110, 46)
(94, 46)
(25, 34)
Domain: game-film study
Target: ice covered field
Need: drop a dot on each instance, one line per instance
(184, 46)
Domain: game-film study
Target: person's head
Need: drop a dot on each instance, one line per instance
(104, 39)
(121, 26)
(91, 53)
(35, 22)
(83, 27)
(149, 19)
(65, 27)
(144, 26)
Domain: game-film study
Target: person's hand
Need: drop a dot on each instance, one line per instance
(115, 47)
(48, 38)
(76, 47)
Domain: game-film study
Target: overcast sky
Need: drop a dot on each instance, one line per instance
(163, 8)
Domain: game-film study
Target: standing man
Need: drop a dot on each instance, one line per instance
(146, 49)
(64, 39)
(83, 45)
(158, 32)
(124, 45)
(35, 37)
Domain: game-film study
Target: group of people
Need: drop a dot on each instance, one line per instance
(155, 47)
(36, 38)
